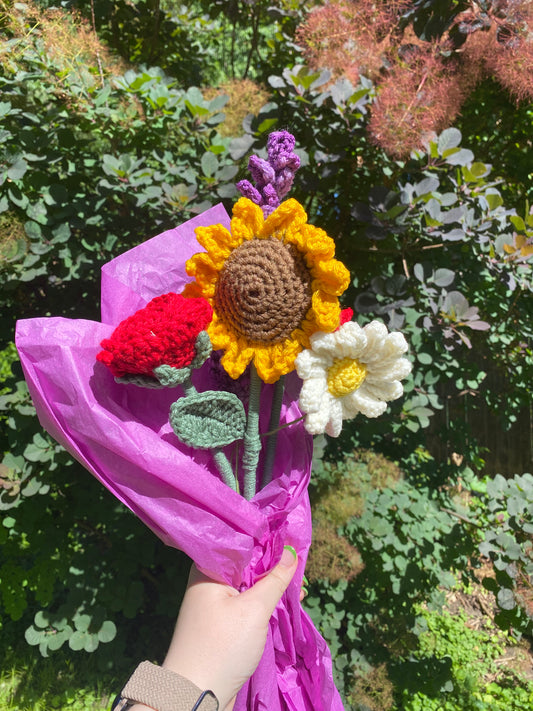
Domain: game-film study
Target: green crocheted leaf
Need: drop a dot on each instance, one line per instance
(203, 349)
(165, 376)
(142, 381)
(169, 377)
(208, 420)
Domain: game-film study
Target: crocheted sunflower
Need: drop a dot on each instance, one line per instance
(272, 283)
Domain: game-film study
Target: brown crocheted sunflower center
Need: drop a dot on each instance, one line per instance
(264, 290)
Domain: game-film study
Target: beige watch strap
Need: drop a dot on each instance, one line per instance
(163, 690)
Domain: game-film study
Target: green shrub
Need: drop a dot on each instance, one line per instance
(505, 507)
(471, 658)
(90, 165)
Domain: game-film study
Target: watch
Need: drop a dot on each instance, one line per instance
(163, 690)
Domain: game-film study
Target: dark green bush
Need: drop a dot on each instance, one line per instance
(505, 507)
(87, 170)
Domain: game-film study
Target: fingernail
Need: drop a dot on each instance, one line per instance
(288, 557)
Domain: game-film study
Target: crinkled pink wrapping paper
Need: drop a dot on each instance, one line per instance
(122, 435)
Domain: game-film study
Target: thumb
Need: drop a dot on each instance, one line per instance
(270, 588)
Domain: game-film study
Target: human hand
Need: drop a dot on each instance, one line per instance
(220, 633)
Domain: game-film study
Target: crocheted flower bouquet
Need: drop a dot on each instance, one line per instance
(195, 399)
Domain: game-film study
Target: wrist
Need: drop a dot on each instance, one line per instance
(154, 688)
(199, 675)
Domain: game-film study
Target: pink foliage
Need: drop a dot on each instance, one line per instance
(414, 103)
(505, 51)
(350, 37)
(421, 86)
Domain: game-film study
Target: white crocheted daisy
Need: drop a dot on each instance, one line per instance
(349, 371)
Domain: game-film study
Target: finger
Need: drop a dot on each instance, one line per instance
(270, 588)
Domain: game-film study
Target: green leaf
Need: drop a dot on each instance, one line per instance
(77, 641)
(518, 222)
(490, 584)
(33, 230)
(494, 199)
(209, 164)
(82, 622)
(37, 212)
(479, 170)
(91, 643)
(449, 138)
(443, 277)
(218, 102)
(107, 631)
(427, 186)
(41, 619)
(5, 108)
(17, 170)
(462, 156)
(506, 599)
(61, 233)
(228, 191)
(33, 636)
(516, 505)
(266, 125)
(424, 358)
(55, 641)
(208, 420)
(40, 248)
(17, 196)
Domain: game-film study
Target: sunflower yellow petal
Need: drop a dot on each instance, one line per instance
(301, 335)
(192, 289)
(285, 218)
(276, 360)
(332, 276)
(221, 337)
(326, 311)
(318, 243)
(202, 268)
(235, 363)
(247, 221)
(215, 239)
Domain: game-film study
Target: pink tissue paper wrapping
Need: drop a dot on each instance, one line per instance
(122, 435)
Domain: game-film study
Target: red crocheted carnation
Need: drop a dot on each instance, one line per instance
(162, 333)
(346, 315)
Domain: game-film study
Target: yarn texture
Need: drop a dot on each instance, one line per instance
(353, 370)
(164, 332)
(273, 177)
(208, 420)
(272, 283)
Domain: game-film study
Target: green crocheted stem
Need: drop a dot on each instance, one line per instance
(224, 467)
(188, 387)
(252, 440)
(272, 439)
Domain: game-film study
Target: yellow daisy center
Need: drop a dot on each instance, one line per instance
(264, 290)
(345, 376)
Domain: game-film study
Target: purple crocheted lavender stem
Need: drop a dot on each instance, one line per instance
(273, 177)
